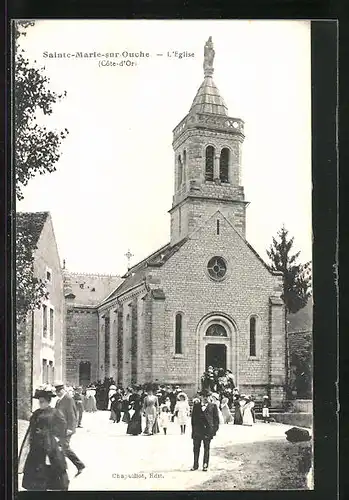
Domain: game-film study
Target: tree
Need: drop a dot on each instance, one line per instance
(36, 151)
(301, 360)
(296, 283)
(296, 277)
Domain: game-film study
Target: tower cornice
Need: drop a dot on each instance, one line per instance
(211, 122)
(213, 198)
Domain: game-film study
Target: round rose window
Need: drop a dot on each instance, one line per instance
(217, 268)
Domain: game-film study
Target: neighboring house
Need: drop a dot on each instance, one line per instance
(206, 297)
(300, 335)
(83, 293)
(41, 343)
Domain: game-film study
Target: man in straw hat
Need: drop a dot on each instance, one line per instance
(205, 424)
(65, 404)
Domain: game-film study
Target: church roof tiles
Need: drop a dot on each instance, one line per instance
(137, 273)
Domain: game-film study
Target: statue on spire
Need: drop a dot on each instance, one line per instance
(208, 57)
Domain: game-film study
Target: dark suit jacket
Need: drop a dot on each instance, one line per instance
(204, 424)
(67, 407)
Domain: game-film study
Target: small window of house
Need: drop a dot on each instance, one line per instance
(51, 324)
(44, 320)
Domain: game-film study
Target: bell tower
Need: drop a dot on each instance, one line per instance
(207, 148)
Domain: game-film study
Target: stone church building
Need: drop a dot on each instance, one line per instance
(206, 297)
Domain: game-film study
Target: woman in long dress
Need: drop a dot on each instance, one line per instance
(111, 394)
(182, 411)
(45, 466)
(247, 418)
(227, 416)
(237, 409)
(126, 405)
(112, 391)
(91, 405)
(216, 401)
(150, 410)
(135, 425)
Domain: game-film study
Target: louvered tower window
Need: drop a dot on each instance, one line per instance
(224, 165)
(209, 163)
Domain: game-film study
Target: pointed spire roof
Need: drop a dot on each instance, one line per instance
(208, 98)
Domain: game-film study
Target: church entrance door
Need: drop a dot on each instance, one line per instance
(216, 356)
(84, 373)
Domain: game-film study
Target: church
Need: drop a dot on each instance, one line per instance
(206, 297)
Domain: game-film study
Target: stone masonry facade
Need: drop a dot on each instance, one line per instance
(157, 324)
(41, 346)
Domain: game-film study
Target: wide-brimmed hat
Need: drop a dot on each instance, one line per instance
(265, 397)
(92, 387)
(45, 391)
(182, 395)
(112, 387)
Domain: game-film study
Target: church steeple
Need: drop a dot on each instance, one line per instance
(208, 98)
(207, 145)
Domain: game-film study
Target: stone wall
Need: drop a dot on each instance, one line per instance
(82, 341)
(186, 214)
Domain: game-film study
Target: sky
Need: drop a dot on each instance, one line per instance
(114, 181)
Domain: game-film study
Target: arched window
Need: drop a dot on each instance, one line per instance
(107, 344)
(209, 163)
(253, 350)
(178, 334)
(184, 165)
(224, 165)
(216, 330)
(180, 171)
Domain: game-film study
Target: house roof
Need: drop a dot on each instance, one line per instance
(301, 321)
(31, 223)
(89, 289)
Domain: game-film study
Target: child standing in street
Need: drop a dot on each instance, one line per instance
(265, 409)
(164, 418)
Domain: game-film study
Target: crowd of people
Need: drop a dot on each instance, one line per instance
(232, 406)
(147, 410)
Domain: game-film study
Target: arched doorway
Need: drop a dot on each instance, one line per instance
(84, 373)
(217, 344)
(216, 356)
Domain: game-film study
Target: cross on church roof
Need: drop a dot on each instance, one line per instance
(128, 256)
